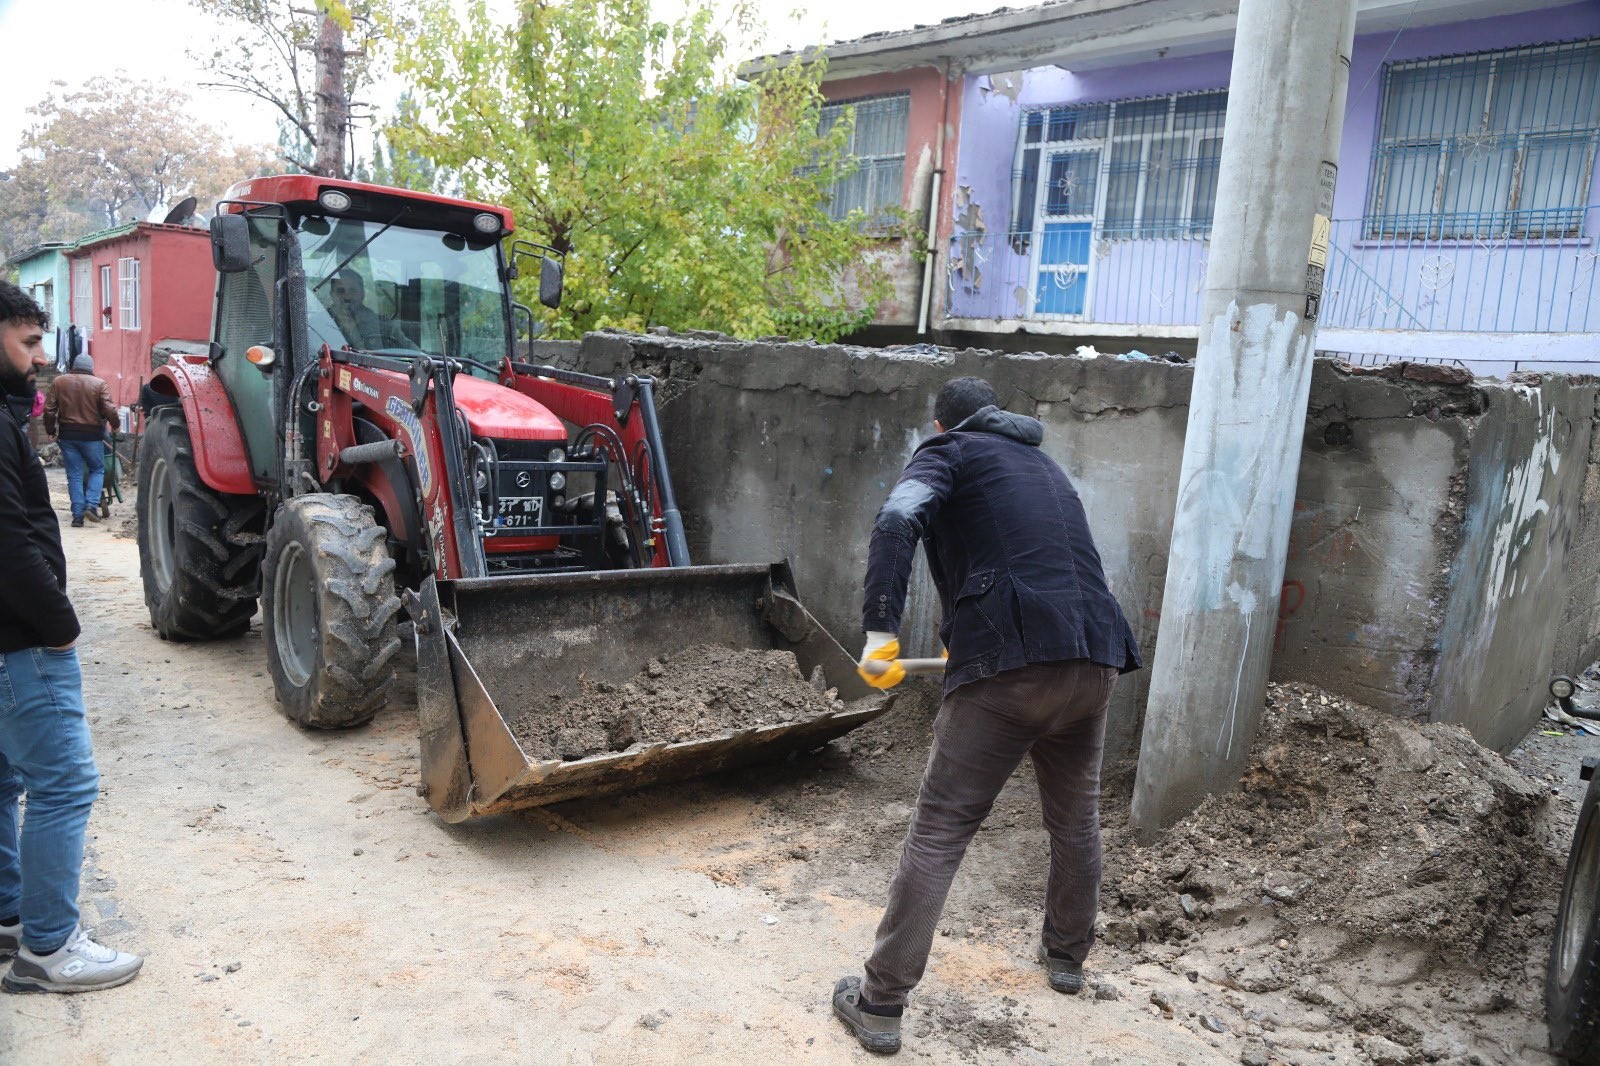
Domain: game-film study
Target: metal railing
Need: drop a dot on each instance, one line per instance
(1495, 283)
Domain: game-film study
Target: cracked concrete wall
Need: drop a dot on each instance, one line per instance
(1509, 585)
(1377, 510)
(1578, 642)
(787, 450)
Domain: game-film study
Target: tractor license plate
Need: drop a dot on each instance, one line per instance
(520, 512)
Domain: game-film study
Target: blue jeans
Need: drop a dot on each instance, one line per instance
(76, 456)
(45, 752)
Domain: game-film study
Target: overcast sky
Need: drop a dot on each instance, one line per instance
(73, 40)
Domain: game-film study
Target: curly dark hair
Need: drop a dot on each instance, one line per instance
(18, 306)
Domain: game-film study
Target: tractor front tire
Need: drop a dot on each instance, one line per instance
(1572, 981)
(329, 607)
(199, 549)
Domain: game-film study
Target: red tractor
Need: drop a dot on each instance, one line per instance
(359, 437)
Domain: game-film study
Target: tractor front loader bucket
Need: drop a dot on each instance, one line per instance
(490, 648)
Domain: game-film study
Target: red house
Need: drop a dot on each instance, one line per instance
(133, 287)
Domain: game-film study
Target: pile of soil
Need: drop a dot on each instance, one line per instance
(1346, 818)
(1373, 888)
(704, 691)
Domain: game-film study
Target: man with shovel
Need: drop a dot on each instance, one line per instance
(1035, 642)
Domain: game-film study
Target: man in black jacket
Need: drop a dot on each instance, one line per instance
(44, 733)
(1035, 642)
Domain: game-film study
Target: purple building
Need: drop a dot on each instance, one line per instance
(1078, 176)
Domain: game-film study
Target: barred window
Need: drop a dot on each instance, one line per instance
(1150, 168)
(82, 298)
(128, 292)
(1488, 145)
(878, 145)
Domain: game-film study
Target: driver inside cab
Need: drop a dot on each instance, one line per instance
(362, 327)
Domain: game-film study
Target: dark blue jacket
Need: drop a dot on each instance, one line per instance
(1009, 548)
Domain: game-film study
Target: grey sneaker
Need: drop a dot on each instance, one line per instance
(79, 965)
(10, 940)
(1065, 975)
(875, 1032)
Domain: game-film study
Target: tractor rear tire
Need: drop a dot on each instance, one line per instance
(199, 549)
(1572, 981)
(329, 607)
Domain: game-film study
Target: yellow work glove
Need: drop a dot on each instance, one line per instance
(881, 648)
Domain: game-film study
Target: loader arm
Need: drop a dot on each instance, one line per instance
(628, 405)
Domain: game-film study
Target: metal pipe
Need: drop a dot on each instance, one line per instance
(376, 452)
(463, 501)
(931, 253)
(677, 543)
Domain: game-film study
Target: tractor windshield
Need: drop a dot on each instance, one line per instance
(402, 290)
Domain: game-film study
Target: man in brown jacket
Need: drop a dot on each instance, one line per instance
(75, 416)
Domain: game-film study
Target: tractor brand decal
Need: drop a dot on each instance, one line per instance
(402, 413)
(344, 379)
(361, 386)
(436, 539)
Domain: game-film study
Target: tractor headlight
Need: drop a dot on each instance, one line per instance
(558, 482)
(334, 200)
(486, 222)
(557, 455)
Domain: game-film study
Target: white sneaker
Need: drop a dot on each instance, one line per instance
(10, 940)
(79, 965)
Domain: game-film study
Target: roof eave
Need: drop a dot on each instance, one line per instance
(1092, 34)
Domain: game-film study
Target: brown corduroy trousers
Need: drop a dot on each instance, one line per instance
(1057, 713)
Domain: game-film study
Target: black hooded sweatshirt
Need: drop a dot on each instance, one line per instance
(34, 609)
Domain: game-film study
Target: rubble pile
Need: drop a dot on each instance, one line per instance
(1346, 818)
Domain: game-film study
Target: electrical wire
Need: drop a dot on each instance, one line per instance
(1387, 52)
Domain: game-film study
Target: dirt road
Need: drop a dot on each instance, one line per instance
(298, 902)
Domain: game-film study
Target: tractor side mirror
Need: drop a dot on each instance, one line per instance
(230, 243)
(551, 279)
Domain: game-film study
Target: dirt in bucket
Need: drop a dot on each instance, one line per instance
(701, 692)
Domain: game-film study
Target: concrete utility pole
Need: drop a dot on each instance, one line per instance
(1269, 246)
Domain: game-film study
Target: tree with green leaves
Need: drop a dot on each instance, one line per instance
(404, 168)
(679, 195)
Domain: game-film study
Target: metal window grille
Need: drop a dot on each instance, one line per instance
(128, 292)
(878, 145)
(82, 298)
(1488, 145)
(1157, 165)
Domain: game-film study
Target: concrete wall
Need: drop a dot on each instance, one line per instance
(1578, 642)
(1429, 553)
(1527, 473)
